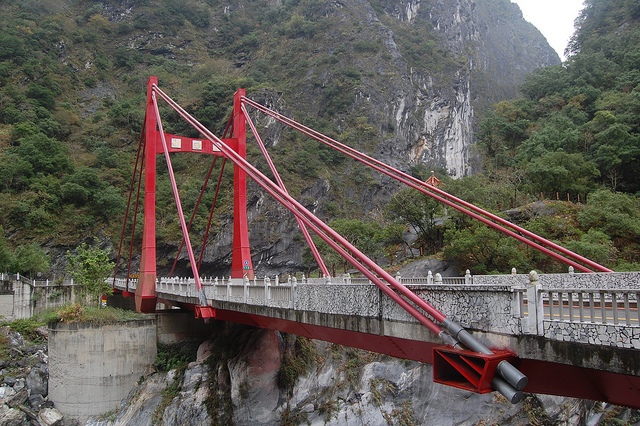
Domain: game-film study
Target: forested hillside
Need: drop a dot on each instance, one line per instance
(405, 84)
(576, 133)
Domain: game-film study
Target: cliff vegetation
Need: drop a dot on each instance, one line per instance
(404, 81)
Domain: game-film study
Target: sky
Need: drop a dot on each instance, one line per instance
(554, 19)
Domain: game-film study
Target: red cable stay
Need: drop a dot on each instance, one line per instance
(539, 243)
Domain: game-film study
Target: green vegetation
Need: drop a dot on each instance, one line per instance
(576, 133)
(91, 314)
(27, 328)
(577, 127)
(176, 355)
(27, 259)
(90, 267)
(72, 79)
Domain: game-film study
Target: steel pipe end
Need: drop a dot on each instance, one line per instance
(512, 375)
(513, 395)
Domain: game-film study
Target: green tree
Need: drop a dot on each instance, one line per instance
(559, 171)
(90, 266)
(30, 259)
(483, 250)
(391, 239)
(420, 212)
(594, 245)
(7, 256)
(364, 235)
(44, 154)
(108, 203)
(618, 216)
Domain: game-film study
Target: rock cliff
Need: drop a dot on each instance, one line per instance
(247, 376)
(403, 81)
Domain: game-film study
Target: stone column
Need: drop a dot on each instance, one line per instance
(535, 313)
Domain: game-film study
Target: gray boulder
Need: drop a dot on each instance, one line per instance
(38, 380)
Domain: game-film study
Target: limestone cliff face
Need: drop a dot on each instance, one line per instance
(408, 81)
(441, 64)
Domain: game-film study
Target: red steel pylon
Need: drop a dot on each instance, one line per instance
(241, 264)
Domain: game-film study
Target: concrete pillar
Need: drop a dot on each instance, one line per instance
(93, 367)
(533, 323)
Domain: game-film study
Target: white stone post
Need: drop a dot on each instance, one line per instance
(535, 313)
(245, 292)
(467, 277)
(267, 290)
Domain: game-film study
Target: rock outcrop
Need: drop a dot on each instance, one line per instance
(271, 379)
(24, 389)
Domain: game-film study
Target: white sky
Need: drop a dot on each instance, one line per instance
(554, 19)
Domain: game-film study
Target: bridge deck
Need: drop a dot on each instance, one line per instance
(575, 334)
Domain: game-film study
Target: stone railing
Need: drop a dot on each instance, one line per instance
(592, 305)
(595, 308)
(556, 306)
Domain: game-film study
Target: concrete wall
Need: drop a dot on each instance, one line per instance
(93, 367)
(17, 302)
(20, 299)
(6, 306)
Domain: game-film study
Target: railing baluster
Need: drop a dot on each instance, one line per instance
(561, 305)
(570, 304)
(581, 306)
(614, 307)
(592, 307)
(521, 307)
(603, 308)
(627, 314)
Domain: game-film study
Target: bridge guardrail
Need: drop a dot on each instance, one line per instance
(597, 306)
(553, 305)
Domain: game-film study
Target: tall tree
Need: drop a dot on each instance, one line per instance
(89, 267)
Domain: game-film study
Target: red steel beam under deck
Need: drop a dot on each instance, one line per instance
(545, 377)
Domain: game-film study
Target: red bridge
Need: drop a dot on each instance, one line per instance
(522, 351)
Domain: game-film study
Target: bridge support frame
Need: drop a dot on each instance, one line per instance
(146, 288)
(466, 369)
(242, 266)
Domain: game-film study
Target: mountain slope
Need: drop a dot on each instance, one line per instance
(401, 80)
